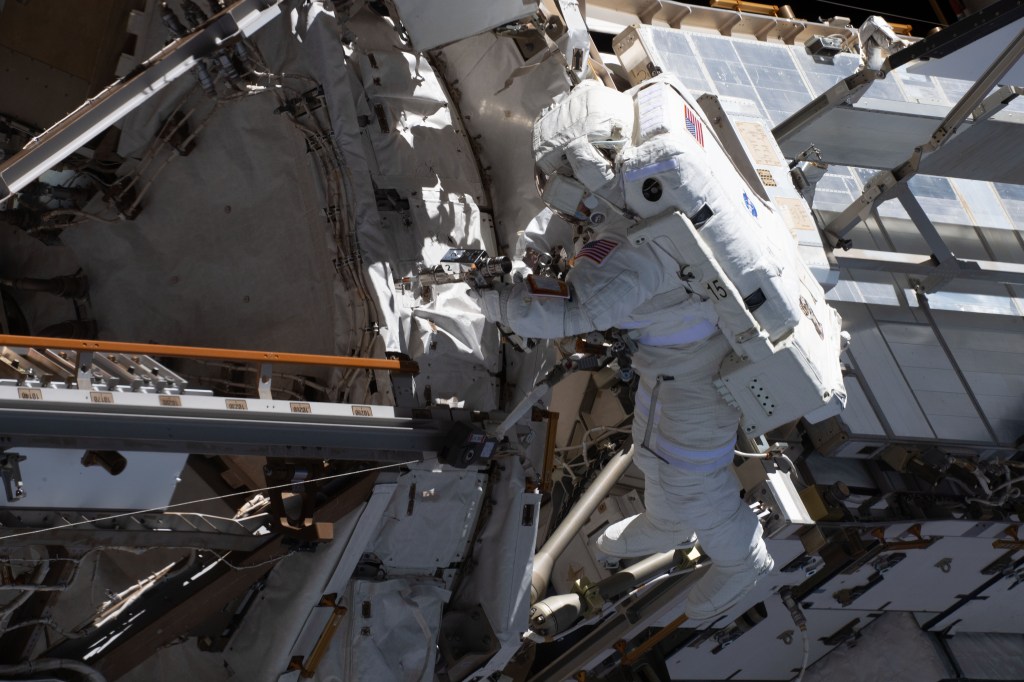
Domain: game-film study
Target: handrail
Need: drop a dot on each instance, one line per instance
(91, 346)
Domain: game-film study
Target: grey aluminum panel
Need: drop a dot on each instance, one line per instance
(423, 21)
(884, 134)
(869, 138)
(54, 479)
(999, 608)
(935, 380)
(991, 656)
(991, 362)
(940, 392)
(445, 502)
(996, 384)
(913, 356)
(985, 334)
(760, 654)
(879, 370)
(969, 62)
(917, 583)
(858, 415)
(978, 151)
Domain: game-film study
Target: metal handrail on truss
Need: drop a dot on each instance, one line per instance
(89, 346)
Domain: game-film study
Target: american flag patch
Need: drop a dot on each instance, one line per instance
(694, 125)
(597, 250)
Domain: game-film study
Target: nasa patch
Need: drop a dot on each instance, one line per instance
(750, 205)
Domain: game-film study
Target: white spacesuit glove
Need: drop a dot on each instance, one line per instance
(493, 304)
(520, 270)
(489, 301)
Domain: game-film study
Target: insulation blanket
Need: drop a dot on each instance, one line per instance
(391, 636)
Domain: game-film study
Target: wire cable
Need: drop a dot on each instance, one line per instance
(210, 499)
(807, 654)
(800, 620)
(880, 12)
(222, 558)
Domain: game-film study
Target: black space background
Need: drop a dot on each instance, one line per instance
(920, 14)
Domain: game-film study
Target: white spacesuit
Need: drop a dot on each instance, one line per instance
(693, 262)
(684, 432)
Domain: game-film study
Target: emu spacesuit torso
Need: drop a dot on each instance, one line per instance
(614, 284)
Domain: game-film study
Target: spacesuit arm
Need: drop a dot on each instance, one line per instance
(593, 297)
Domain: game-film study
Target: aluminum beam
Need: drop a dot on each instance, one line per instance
(961, 34)
(78, 539)
(102, 420)
(885, 183)
(76, 531)
(241, 19)
(925, 266)
(881, 135)
(850, 89)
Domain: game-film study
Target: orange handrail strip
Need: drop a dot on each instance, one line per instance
(89, 346)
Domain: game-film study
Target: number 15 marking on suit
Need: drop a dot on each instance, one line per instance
(716, 289)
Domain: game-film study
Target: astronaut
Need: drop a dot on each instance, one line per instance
(684, 432)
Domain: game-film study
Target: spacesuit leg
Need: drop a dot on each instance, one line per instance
(658, 529)
(728, 532)
(691, 430)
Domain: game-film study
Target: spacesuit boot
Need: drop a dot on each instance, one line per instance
(724, 585)
(728, 531)
(658, 529)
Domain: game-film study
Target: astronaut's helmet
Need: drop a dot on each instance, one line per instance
(570, 200)
(575, 145)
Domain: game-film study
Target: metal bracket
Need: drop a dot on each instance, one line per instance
(263, 385)
(996, 102)
(919, 541)
(309, 665)
(1014, 543)
(83, 368)
(14, 486)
